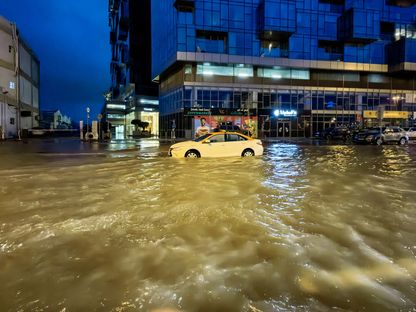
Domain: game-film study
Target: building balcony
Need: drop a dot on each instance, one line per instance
(113, 5)
(123, 35)
(401, 3)
(276, 19)
(184, 5)
(337, 2)
(113, 37)
(359, 26)
(124, 23)
(401, 51)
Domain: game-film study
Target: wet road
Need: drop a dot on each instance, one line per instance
(122, 227)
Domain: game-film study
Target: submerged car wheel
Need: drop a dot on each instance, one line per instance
(192, 154)
(402, 141)
(247, 153)
(379, 141)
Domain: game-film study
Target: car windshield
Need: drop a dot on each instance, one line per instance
(201, 138)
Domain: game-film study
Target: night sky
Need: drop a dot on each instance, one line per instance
(71, 40)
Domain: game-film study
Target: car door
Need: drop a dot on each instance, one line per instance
(388, 135)
(412, 133)
(235, 144)
(214, 146)
(397, 133)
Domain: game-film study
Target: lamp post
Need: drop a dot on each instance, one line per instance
(3, 115)
(88, 118)
(173, 135)
(15, 47)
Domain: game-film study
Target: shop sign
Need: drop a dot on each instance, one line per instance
(370, 114)
(396, 114)
(285, 113)
(197, 112)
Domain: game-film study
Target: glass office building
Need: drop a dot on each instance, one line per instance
(132, 94)
(284, 67)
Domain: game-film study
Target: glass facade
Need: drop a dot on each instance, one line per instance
(327, 60)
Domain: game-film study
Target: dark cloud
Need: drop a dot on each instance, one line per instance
(71, 39)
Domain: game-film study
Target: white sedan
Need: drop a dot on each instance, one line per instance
(412, 133)
(218, 144)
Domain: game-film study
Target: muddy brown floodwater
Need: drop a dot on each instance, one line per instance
(303, 228)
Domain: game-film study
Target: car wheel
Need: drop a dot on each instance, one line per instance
(192, 154)
(248, 153)
(379, 141)
(402, 141)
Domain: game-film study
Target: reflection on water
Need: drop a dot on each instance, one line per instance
(303, 228)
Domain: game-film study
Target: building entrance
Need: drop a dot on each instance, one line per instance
(283, 129)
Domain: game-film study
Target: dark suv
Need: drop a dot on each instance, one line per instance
(379, 135)
(336, 133)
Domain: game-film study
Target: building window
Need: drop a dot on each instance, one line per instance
(239, 70)
(331, 50)
(188, 69)
(12, 85)
(211, 41)
(387, 31)
(184, 5)
(275, 48)
(12, 121)
(283, 73)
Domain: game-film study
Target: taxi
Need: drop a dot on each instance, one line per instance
(218, 144)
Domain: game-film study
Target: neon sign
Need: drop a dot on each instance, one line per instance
(285, 113)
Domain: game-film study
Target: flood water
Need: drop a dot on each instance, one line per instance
(122, 227)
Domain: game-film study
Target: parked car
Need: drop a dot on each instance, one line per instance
(336, 133)
(379, 135)
(411, 133)
(218, 144)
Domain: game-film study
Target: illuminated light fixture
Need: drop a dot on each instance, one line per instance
(151, 102)
(285, 113)
(208, 73)
(275, 76)
(148, 109)
(207, 64)
(243, 75)
(116, 106)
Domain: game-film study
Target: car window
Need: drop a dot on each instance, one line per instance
(201, 138)
(234, 137)
(231, 137)
(217, 138)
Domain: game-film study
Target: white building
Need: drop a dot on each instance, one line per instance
(55, 120)
(19, 82)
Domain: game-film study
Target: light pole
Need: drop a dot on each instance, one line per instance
(3, 115)
(15, 47)
(88, 119)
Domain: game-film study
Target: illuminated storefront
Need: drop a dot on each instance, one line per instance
(313, 63)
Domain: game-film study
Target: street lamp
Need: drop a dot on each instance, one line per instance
(88, 118)
(2, 131)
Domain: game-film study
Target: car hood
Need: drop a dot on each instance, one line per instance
(183, 144)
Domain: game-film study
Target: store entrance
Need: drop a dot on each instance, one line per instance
(283, 129)
(264, 126)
